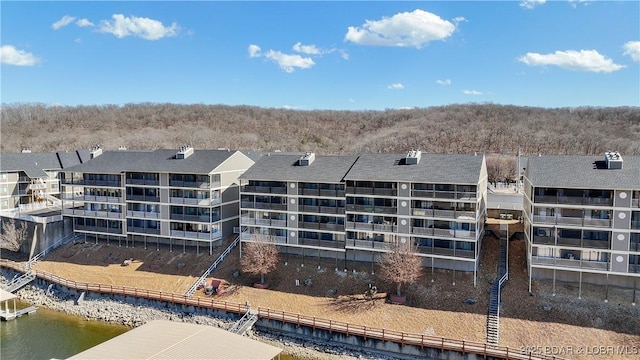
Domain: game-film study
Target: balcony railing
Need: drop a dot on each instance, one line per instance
(310, 208)
(274, 238)
(543, 240)
(467, 254)
(190, 184)
(359, 226)
(566, 220)
(196, 218)
(143, 198)
(568, 263)
(108, 183)
(103, 199)
(634, 269)
(309, 192)
(264, 189)
(148, 182)
(196, 235)
(635, 203)
(329, 244)
(367, 244)
(141, 230)
(331, 210)
(143, 214)
(100, 229)
(385, 227)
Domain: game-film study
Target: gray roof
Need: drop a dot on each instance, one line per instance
(35, 164)
(164, 339)
(585, 172)
(109, 162)
(112, 162)
(324, 169)
(200, 162)
(432, 168)
(72, 158)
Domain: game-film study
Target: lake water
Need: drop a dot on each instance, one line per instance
(47, 334)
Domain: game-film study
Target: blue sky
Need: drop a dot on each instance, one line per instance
(360, 55)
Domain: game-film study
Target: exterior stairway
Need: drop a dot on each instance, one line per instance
(245, 323)
(20, 281)
(493, 318)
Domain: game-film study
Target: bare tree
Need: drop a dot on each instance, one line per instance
(12, 235)
(259, 256)
(399, 266)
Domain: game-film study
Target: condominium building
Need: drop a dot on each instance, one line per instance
(435, 203)
(29, 181)
(359, 205)
(296, 200)
(186, 197)
(582, 218)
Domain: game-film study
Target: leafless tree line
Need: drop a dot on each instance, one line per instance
(468, 128)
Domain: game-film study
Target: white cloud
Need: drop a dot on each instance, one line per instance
(472, 92)
(444, 82)
(11, 56)
(407, 29)
(530, 4)
(254, 51)
(306, 49)
(574, 5)
(84, 23)
(344, 54)
(288, 62)
(583, 60)
(396, 86)
(64, 21)
(144, 28)
(632, 48)
(351, 100)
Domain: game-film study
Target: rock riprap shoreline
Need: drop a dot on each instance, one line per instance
(114, 311)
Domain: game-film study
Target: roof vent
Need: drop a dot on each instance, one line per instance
(613, 159)
(95, 152)
(307, 159)
(184, 152)
(413, 157)
(26, 151)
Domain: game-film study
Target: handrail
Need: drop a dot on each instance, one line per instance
(202, 279)
(400, 337)
(46, 251)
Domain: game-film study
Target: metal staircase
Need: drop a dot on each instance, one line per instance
(493, 318)
(245, 323)
(201, 280)
(20, 281)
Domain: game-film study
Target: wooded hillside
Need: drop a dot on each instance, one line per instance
(482, 128)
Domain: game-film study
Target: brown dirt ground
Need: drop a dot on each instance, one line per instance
(435, 306)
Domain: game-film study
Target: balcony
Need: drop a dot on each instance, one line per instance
(329, 244)
(468, 254)
(143, 214)
(190, 184)
(568, 263)
(423, 212)
(331, 210)
(310, 208)
(634, 269)
(359, 226)
(573, 242)
(545, 199)
(196, 235)
(635, 203)
(99, 229)
(418, 230)
(635, 224)
(151, 231)
(309, 192)
(264, 189)
(598, 201)
(444, 194)
(367, 244)
(245, 236)
(448, 214)
(143, 198)
(385, 227)
(102, 199)
(385, 192)
(360, 190)
(470, 196)
(147, 182)
(194, 218)
(597, 222)
(544, 240)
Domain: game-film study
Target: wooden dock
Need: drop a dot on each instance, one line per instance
(6, 316)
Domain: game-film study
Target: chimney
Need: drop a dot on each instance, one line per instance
(613, 159)
(413, 157)
(95, 152)
(184, 152)
(307, 159)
